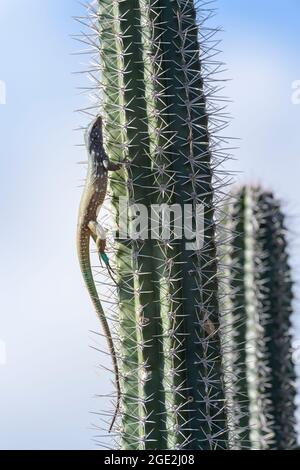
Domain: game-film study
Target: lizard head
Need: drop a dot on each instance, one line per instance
(94, 139)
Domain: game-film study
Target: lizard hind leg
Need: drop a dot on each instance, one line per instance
(99, 236)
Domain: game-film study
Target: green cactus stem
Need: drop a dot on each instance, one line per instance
(154, 55)
(261, 297)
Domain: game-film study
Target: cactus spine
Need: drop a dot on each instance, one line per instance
(261, 286)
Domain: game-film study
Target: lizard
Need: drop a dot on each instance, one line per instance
(88, 228)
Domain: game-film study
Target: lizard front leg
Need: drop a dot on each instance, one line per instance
(111, 166)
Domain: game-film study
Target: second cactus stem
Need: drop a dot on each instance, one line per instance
(261, 298)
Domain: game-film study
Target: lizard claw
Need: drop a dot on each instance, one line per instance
(104, 257)
(124, 162)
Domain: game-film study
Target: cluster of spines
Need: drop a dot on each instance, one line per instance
(263, 395)
(156, 113)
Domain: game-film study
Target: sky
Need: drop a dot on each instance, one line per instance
(49, 375)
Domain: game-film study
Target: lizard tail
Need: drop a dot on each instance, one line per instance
(105, 259)
(90, 284)
(110, 270)
(117, 406)
(118, 395)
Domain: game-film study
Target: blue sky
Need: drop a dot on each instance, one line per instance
(51, 376)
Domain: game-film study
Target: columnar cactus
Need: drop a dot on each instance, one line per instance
(155, 111)
(261, 302)
(279, 286)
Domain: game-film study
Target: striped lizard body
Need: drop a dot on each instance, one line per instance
(88, 228)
